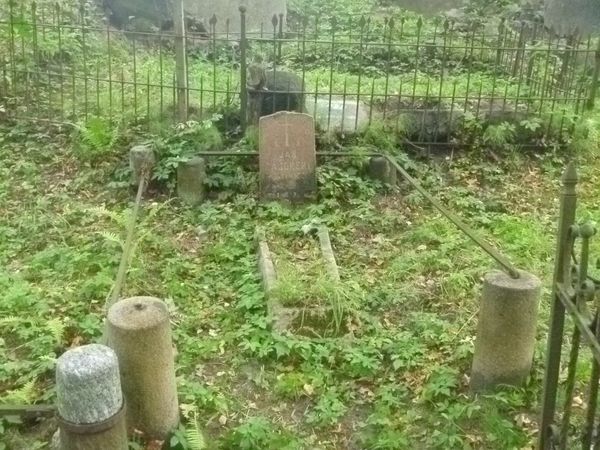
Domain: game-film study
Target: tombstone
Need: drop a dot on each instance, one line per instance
(259, 14)
(340, 115)
(287, 157)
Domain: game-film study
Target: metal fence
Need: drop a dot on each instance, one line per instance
(424, 78)
(569, 417)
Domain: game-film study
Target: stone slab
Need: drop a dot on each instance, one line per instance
(259, 14)
(287, 157)
(344, 115)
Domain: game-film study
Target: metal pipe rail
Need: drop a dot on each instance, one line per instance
(493, 252)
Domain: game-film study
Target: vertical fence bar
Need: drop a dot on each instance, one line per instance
(36, 59)
(243, 69)
(332, 63)
(592, 394)
(361, 23)
(280, 38)
(414, 87)
(84, 63)
(569, 388)
(201, 95)
(97, 90)
(213, 28)
(122, 93)
(181, 61)
(399, 107)
(445, 26)
(274, 22)
(11, 52)
(109, 67)
(304, 27)
(134, 84)
(148, 121)
(161, 75)
(557, 323)
(595, 78)
(390, 24)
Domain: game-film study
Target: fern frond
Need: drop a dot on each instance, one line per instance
(11, 320)
(111, 237)
(25, 394)
(56, 327)
(194, 436)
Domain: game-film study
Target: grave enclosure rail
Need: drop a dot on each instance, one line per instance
(496, 255)
(421, 77)
(574, 335)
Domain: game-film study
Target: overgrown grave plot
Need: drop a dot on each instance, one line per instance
(302, 284)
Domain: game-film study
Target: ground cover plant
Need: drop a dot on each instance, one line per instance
(397, 377)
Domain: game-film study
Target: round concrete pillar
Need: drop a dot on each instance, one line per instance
(190, 181)
(140, 333)
(506, 330)
(89, 400)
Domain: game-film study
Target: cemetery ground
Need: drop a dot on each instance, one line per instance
(397, 377)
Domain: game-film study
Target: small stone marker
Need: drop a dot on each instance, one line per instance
(190, 181)
(89, 400)
(287, 157)
(380, 169)
(141, 157)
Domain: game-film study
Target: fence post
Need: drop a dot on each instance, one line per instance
(594, 86)
(139, 331)
(506, 332)
(243, 72)
(562, 265)
(181, 61)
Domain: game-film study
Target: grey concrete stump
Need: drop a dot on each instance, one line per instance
(90, 406)
(190, 181)
(140, 157)
(506, 330)
(380, 169)
(140, 333)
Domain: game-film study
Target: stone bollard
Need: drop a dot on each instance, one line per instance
(506, 330)
(91, 412)
(140, 157)
(139, 331)
(190, 181)
(380, 169)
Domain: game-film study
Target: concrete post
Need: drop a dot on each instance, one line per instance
(190, 181)
(506, 331)
(141, 157)
(380, 169)
(91, 412)
(139, 331)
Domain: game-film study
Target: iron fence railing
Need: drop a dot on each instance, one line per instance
(421, 77)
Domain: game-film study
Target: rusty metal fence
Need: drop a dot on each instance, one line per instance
(569, 416)
(424, 78)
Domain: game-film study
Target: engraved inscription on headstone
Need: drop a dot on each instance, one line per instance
(287, 157)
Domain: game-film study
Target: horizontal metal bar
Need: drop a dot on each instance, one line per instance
(348, 94)
(267, 37)
(566, 298)
(27, 412)
(471, 234)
